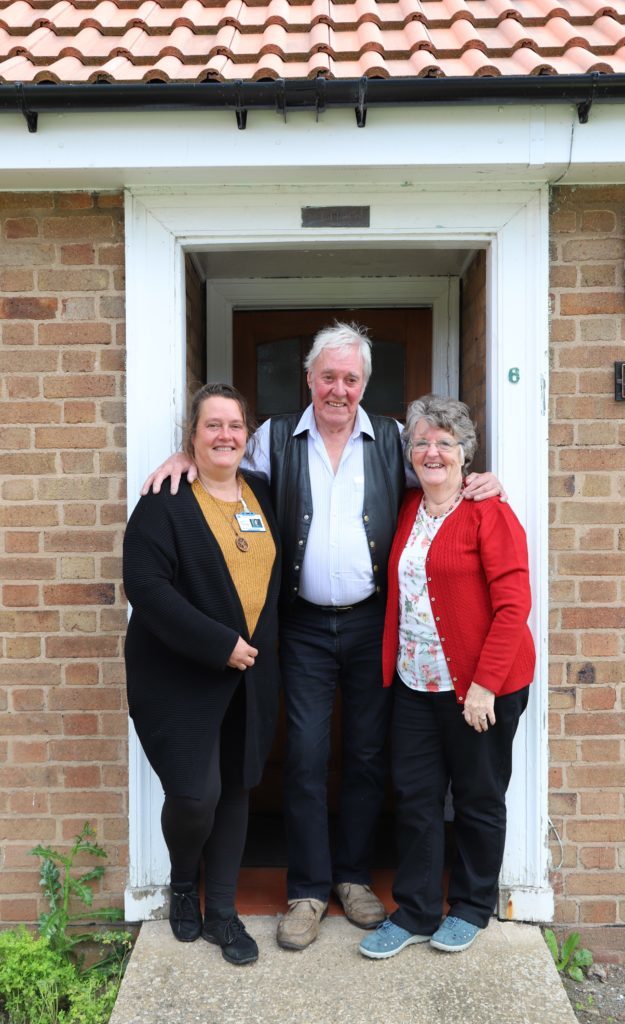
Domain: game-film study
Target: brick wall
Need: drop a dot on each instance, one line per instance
(473, 350)
(587, 542)
(62, 463)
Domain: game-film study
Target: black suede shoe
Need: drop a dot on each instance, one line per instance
(185, 916)
(237, 945)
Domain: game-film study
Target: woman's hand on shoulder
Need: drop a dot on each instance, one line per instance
(479, 486)
(174, 467)
(479, 707)
(243, 656)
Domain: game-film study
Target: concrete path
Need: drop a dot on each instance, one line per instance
(506, 977)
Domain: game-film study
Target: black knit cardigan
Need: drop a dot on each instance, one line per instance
(186, 619)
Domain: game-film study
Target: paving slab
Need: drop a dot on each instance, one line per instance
(506, 977)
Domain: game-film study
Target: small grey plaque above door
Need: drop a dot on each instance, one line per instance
(336, 216)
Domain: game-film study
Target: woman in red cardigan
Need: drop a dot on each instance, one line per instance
(457, 644)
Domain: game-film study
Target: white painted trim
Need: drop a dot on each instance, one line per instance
(161, 223)
(418, 146)
(441, 293)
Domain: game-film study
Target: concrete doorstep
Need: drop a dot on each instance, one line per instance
(506, 977)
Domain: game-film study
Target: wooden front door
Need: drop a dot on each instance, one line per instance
(269, 349)
(268, 352)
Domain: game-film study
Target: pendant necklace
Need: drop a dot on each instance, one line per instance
(240, 541)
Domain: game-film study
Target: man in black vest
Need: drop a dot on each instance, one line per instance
(337, 476)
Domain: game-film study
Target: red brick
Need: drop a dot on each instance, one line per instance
(80, 725)
(596, 776)
(21, 542)
(27, 568)
(599, 699)
(82, 674)
(79, 540)
(82, 777)
(598, 912)
(29, 752)
(28, 308)
(79, 749)
(593, 618)
(79, 385)
(28, 700)
(594, 803)
(82, 647)
(70, 437)
(74, 200)
(600, 750)
(593, 884)
(596, 830)
(594, 723)
(79, 698)
(89, 228)
(79, 254)
(602, 857)
(74, 334)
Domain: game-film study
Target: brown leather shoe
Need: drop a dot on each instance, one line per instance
(300, 925)
(362, 907)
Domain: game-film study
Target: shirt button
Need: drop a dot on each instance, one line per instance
(301, 543)
(377, 590)
(438, 619)
(307, 517)
(460, 698)
(442, 638)
(455, 679)
(371, 543)
(429, 577)
(366, 519)
(376, 568)
(296, 566)
(432, 599)
(448, 658)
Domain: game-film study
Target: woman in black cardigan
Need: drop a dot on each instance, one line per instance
(202, 575)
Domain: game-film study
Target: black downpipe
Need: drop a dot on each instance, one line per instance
(319, 94)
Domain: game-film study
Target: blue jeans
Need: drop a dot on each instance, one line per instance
(319, 651)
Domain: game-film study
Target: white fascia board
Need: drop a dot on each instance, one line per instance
(417, 145)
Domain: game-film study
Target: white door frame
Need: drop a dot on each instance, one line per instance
(513, 224)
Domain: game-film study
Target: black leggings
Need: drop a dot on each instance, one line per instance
(213, 829)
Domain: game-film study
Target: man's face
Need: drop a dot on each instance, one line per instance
(336, 382)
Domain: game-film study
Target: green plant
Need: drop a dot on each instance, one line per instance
(35, 980)
(44, 979)
(569, 958)
(60, 886)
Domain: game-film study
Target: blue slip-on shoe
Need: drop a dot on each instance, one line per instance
(387, 940)
(454, 935)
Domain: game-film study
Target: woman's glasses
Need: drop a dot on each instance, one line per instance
(441, 446)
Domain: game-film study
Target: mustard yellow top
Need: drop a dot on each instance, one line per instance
(251, 569)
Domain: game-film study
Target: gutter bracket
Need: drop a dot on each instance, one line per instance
(30, 116)
(281, 98)
(240, 111)
(320, 98)
(584, 108)
(361, 109)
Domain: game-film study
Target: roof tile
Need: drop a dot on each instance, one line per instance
(197, 40)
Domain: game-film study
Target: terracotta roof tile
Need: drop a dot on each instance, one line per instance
(195, 40)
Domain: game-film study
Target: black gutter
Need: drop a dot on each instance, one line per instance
(319, 94)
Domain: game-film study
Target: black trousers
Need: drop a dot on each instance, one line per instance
(211, 832)
(431, 747)
(319, 651)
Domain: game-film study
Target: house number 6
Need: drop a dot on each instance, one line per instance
(514, 375)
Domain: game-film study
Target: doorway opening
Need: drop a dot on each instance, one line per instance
(267, 345)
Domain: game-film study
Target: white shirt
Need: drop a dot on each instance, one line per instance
(336, 569)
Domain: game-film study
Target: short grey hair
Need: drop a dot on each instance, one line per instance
(446, 414)
(341, 337)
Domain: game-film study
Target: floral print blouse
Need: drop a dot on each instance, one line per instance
(421, 663)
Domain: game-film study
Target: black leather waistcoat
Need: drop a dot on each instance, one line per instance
(293, 502)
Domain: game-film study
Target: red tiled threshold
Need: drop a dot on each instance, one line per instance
(263, 891)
